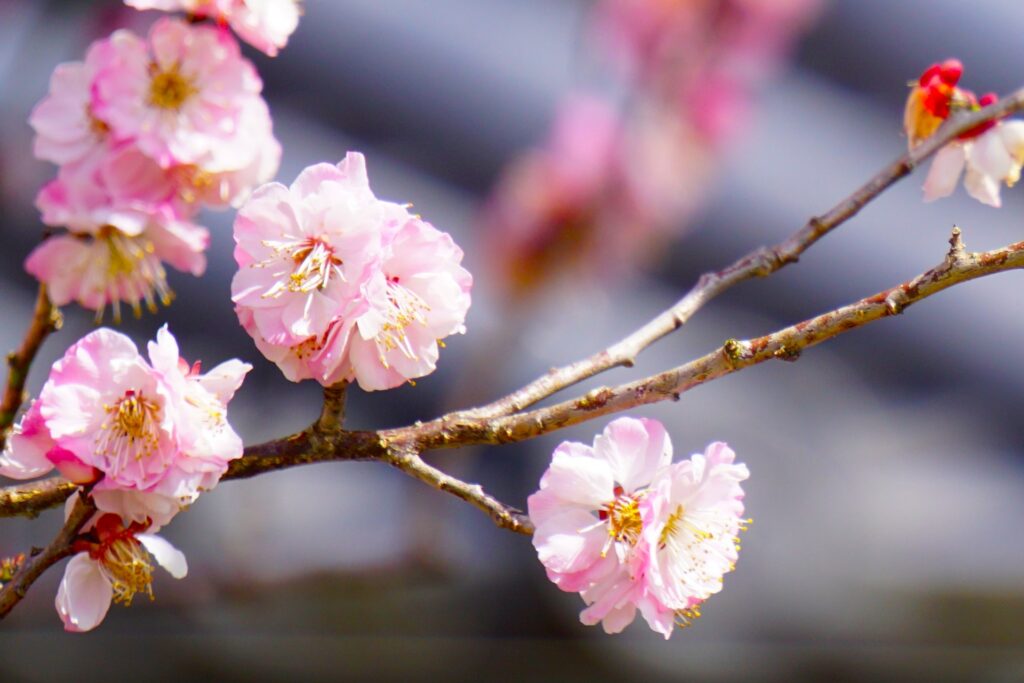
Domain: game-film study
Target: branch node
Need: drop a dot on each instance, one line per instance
(956, 247)
(735, 351)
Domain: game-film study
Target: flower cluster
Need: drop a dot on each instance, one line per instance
(628, 529)
(152, 436)
(337, 285)
(145, 131)
(264, 24)
(992, 153)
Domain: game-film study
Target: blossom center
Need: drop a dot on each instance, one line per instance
(623, 517)
(126, 563)
(131, 430)
(169, 89)
(133, 273)
(404, 308)
(314, 263)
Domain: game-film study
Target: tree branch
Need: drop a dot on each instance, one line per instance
(45, 319)
(401, 447)
(503, 515)
(15, 589)
(759, 263)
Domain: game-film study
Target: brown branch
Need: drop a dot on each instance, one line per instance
(15, 589)
(401, 447)
(45, 319)
(786, 344)
(761, 262)
(503, 515)
(475, 426)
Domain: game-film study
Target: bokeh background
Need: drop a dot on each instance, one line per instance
(888, 465)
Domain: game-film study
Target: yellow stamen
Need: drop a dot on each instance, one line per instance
(126, 564)
(169, 89)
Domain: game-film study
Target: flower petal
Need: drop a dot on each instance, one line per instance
(166, 555)
(84, 595)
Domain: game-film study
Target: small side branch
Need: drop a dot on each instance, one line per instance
(333, 413)
(45, 319)
(503, 515)
(14, 590)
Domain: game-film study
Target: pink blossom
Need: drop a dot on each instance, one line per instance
(126, 221)
(335, 284)
(991, 159)
(303, 251)
(66, 126)
(220, 181)
(179, 94)
(113, 563)
(694, 539)
(152, 436)
(264, 24)
(590, 515)
(419, 295)
(629, 531)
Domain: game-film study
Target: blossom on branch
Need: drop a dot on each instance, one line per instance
(628, 530)
(113, 562)
(992, 153)
(151, 436)
(146, 132)
(335, 284)
(264, 24)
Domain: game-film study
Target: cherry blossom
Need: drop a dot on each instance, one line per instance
(113, 562)
(154, 436)
(419, 295)
(179, 94)
(991, 159)
(335, 284)
(65, 122)
(590, 514)
(694, 540)
(264, 24)
(126, 221)
(629, 531)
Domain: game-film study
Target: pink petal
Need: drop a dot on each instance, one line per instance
(84, 595)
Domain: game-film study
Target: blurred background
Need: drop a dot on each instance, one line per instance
(592, 158)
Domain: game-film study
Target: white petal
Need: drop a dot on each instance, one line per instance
(635, 449)
(167, 556)
(944, 172)
(988, 154)
(84, 595)
(982, 187)
(1012, 133)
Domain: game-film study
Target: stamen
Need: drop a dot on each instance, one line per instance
(314, 265)
(406, 307)
(623, 518)
(133, 273)
(169, 89)
(131, 431)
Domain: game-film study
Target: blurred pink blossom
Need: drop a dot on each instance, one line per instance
(179, 94)
(264, 24)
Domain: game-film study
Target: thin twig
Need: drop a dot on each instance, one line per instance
(14, 590)
(45, 319)
(786, 344)
(503, 515)
(761, 262)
